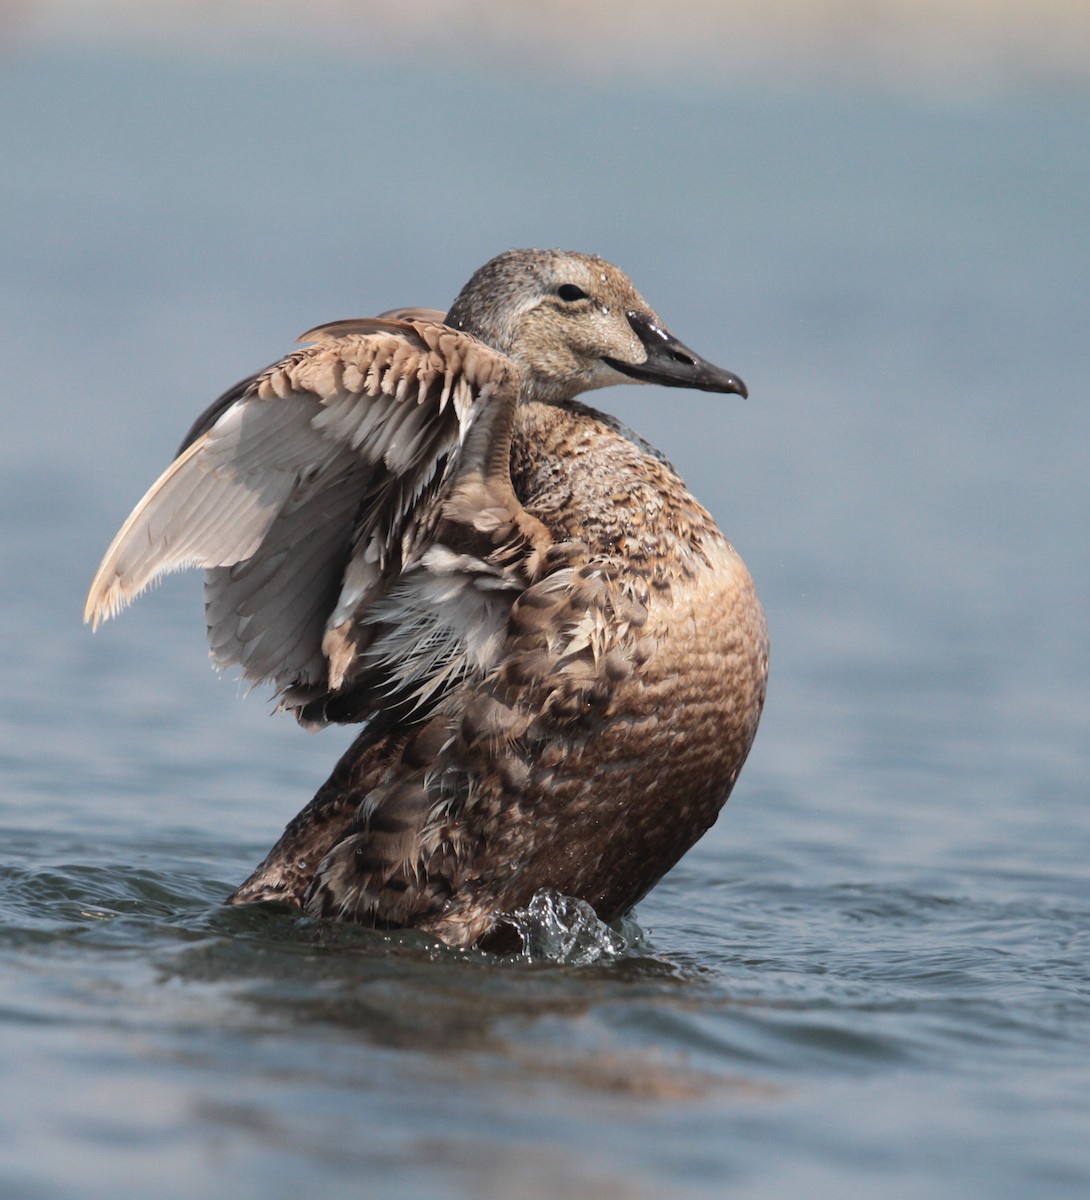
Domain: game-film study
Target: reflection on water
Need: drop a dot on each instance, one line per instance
(871, 977)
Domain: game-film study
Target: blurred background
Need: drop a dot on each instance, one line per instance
(871, 977)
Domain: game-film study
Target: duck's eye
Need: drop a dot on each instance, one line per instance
(571, 293)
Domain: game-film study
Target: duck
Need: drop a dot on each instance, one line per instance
(412, 524)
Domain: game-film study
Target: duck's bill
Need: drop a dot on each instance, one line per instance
(671, 363)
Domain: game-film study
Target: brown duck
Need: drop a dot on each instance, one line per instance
(558, 659)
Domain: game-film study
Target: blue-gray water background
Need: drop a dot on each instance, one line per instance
(871, 978)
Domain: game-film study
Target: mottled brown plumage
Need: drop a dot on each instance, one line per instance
(560, 659)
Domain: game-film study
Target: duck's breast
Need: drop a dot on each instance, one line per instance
(688, 678)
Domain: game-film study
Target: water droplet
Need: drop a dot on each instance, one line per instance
(563, 929)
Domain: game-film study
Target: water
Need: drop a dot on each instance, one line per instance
(871, 978)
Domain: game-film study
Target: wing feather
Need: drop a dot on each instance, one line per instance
(287, 591)
(213, 506)
(300, 490)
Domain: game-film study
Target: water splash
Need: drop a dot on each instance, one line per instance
(555, 928)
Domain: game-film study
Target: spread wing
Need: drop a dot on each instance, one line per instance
(305, 491)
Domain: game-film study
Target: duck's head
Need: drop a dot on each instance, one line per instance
(572, 322)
